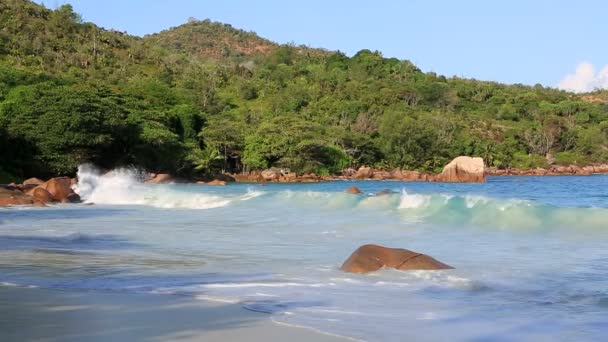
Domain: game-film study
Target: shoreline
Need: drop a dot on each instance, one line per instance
(62, 315)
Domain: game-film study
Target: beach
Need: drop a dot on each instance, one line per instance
(35, 314)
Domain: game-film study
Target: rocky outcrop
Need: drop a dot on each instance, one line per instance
(59, 188)
(14, 197)
(369, 258)
(554, 170)
(353, 190)
(464, 170)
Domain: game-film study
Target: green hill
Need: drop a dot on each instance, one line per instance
(205, 97)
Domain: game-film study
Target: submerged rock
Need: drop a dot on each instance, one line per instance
(353, 190)
(369, 258)
(463, 169)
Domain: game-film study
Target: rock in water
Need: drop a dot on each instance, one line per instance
(465, 170)
(369, 258)
(353, 190)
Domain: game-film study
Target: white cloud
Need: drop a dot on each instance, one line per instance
(585, 79)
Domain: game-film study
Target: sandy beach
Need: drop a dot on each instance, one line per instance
(34, 314)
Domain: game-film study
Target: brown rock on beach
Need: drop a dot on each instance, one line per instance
(364, 173)
(369, 258)
(464, 169)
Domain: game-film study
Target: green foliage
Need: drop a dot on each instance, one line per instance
(205, 97)
(528, 161)
(570, 158)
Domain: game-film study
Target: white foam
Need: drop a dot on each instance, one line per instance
(251, 193)
(126, 187)
(247, 285)
(413, 201)
(472, 200)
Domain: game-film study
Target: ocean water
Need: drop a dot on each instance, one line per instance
(530, 253)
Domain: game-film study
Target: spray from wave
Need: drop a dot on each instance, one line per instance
(126, 187)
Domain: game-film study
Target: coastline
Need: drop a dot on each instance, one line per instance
(53, 315)
(368, 173)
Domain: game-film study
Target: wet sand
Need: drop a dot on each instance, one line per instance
(34, 314)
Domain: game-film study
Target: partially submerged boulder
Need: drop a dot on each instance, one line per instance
(464, 169)
(369, 258)
(353, 190)
(384, 192)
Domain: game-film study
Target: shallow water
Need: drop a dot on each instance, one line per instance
(531, 253)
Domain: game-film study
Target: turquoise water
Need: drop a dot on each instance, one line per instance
(531, 253)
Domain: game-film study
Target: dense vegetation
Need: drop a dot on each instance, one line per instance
(205, 97)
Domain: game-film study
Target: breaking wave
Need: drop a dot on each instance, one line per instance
(126, 187)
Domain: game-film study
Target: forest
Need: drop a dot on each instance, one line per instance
(205, 98)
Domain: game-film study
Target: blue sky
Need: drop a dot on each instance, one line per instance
(516, 41)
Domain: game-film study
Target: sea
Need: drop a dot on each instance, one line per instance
(530, 254)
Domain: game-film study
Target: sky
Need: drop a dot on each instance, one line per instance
(555, 43)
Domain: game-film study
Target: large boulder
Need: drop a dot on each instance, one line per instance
(464, 169)
(364, 172)
(59, 187)
(369, 258)
(271, 175)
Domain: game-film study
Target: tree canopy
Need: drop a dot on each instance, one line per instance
(205, 97)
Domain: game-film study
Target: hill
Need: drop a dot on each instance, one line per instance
(205, 97)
